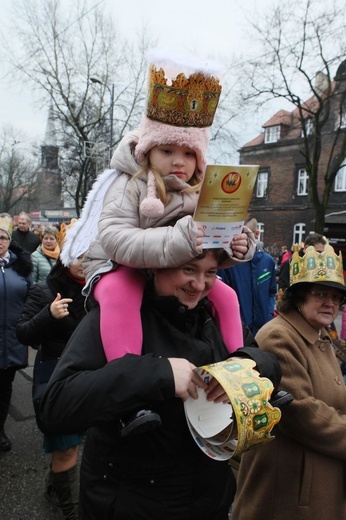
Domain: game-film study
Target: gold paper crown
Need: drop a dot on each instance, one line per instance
(188, 98)
(63, 230)
(314, 267)
(253, 415)
(297, 247)
(6, 223)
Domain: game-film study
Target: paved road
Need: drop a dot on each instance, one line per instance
(22, 470)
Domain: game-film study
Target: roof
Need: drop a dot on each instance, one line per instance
(280, 118)
(336, 218)
(290, 120)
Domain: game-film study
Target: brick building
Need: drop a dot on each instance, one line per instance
(281, 201)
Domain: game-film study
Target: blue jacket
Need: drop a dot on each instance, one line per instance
(255, 284)
(15, 279)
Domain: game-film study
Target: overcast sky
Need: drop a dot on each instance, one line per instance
(209, 28)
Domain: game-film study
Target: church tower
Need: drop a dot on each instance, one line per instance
(48, 190)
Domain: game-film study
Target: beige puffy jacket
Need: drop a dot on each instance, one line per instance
(129, 238)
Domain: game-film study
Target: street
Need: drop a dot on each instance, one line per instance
(23, 469)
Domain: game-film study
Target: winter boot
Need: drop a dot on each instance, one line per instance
(66, 487)
(5, 443)
(49, 491)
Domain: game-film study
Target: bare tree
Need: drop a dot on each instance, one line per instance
(17, 174)
(301, 43)
(60, 51)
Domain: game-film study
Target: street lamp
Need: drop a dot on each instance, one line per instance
(111, 92)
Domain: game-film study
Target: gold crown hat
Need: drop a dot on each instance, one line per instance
(323, 268)
(6, 224)
(183, 94)
(225, 431)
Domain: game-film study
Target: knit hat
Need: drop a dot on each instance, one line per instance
(6, 224)
(183, 95)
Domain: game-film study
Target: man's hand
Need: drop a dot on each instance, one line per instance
(216, 393)
(185, 378)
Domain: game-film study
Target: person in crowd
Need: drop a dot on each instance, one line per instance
(301, 474)
(161, 473)
(27, 239)
(255, 284)
(160, 169)
(15, 279)
(52, 311)
(282, 255)
(46, 255)
(313, 239)
(343, 324)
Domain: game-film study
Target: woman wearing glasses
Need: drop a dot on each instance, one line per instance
(15, 271)
(302, 473)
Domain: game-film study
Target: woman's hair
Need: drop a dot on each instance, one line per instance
(194, 183)
(50, 230)
(219, 254)
(314, 238)
(57, 269)
(293, 297)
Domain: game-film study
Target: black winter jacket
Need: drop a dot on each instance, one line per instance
(15, 279)
(28, 240)
(38, 327)
(161, 474)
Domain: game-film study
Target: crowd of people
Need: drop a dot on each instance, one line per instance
(122, 322)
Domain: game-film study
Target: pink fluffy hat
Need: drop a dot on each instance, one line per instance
(183, 94)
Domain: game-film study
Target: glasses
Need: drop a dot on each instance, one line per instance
(322, 296)
(4, 239)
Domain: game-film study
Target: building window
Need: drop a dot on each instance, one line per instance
(303, 182)
(272, 134)
(260, 228)
(308, 125)
(298, 233)
(340, 179)
(262, 184)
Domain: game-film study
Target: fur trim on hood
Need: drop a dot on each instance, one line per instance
(123, 157)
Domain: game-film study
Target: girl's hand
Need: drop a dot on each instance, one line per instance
(200, 236)
(59, 307)
(240, 246)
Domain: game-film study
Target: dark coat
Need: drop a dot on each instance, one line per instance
(302, 473)
(28, 240)
(37, 326)
(255, 285)
(15, 279)
(157, 475)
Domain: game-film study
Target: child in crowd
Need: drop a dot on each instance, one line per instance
(146, 219)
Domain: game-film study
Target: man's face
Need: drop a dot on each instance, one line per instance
(23, 224)
(189, 283)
